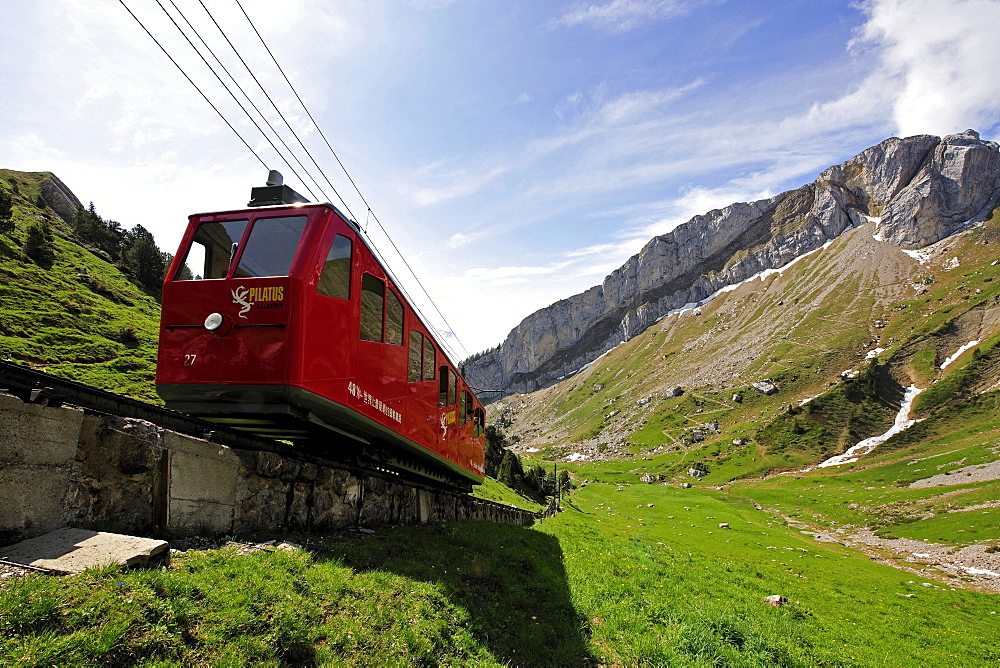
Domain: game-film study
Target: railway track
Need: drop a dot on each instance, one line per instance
(38, 387)
(32, 386)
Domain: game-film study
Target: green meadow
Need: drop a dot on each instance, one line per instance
(627, 575)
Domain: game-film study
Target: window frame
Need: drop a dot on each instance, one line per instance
(366, 290)
(447, 387)
(350, 267)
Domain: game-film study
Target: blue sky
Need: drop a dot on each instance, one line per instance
(516, 152)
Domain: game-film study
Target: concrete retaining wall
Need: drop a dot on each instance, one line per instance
(63, 467)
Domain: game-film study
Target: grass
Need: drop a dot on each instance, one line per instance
(674, 588)
(628, 575)
(80, 318)
(491, 490)
(448, 594)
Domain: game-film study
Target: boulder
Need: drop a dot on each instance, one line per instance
(765, 386)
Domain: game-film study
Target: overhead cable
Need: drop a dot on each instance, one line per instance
(235, 99)
(349, 178)
(196, 87)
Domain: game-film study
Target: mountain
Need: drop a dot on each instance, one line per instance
(66, 307)
(916, 191)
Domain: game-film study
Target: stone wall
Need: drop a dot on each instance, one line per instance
(64, 467)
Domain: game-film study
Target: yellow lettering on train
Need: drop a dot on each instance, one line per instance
(272, 293)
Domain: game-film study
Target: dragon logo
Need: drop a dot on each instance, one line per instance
(240, 297)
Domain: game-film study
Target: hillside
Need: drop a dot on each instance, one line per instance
(74, 314)
(838, 334)
(756, 392)
(916, 190)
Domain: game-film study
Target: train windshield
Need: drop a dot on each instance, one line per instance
(212, 250)
(271, 247)
(268, 251)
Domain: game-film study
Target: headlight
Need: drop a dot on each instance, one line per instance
(213, 322)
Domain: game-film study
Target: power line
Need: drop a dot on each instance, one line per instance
(349, 178)
(200, 92)
(245, 95)
(275, 107)
(235, 99)
(370, 213)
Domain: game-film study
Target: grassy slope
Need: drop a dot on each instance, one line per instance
(81, 318)
(628, 575)
(491, 490)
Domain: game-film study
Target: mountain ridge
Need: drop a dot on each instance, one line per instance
(918, 190)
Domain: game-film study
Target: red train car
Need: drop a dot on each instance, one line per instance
(279, 320)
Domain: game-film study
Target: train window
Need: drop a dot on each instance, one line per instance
(479, 417)
(464, 404)
(335, 280)
(271, 247)
(393, 319)
(416, 356)
(212, 250)
(448, 386)
(372, 299)
(421, 361)
(429, 359)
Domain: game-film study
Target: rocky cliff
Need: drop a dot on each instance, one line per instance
(919, 190)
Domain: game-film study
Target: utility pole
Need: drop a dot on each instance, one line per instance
(555, 478)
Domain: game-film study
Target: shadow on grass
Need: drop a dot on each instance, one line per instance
(509, 579)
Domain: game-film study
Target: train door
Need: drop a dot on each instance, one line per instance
(448, 412)
(330, 339)
(421, 390)
(379, 388)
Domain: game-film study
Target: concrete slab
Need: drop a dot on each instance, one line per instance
(73, 550)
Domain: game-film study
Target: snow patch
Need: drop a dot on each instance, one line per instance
(808, 399)
(958, 353)
(875, 352)
(921, 256)
(979, 571)
(573, 373)
(864, 447)
(532, 450)
(578, 457)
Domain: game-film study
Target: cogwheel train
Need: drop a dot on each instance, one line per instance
(279, 320)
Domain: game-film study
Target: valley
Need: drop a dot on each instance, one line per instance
(706, 454)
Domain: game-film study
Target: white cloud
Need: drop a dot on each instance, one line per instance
(458, 239)
(618, 16)
(507, 275)
(459, 183)
(939, 57)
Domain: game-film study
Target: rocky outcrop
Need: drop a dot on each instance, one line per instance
(60, 198)
(918, 190)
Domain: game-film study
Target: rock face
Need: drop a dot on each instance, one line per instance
(918, 190)
(60, 198)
